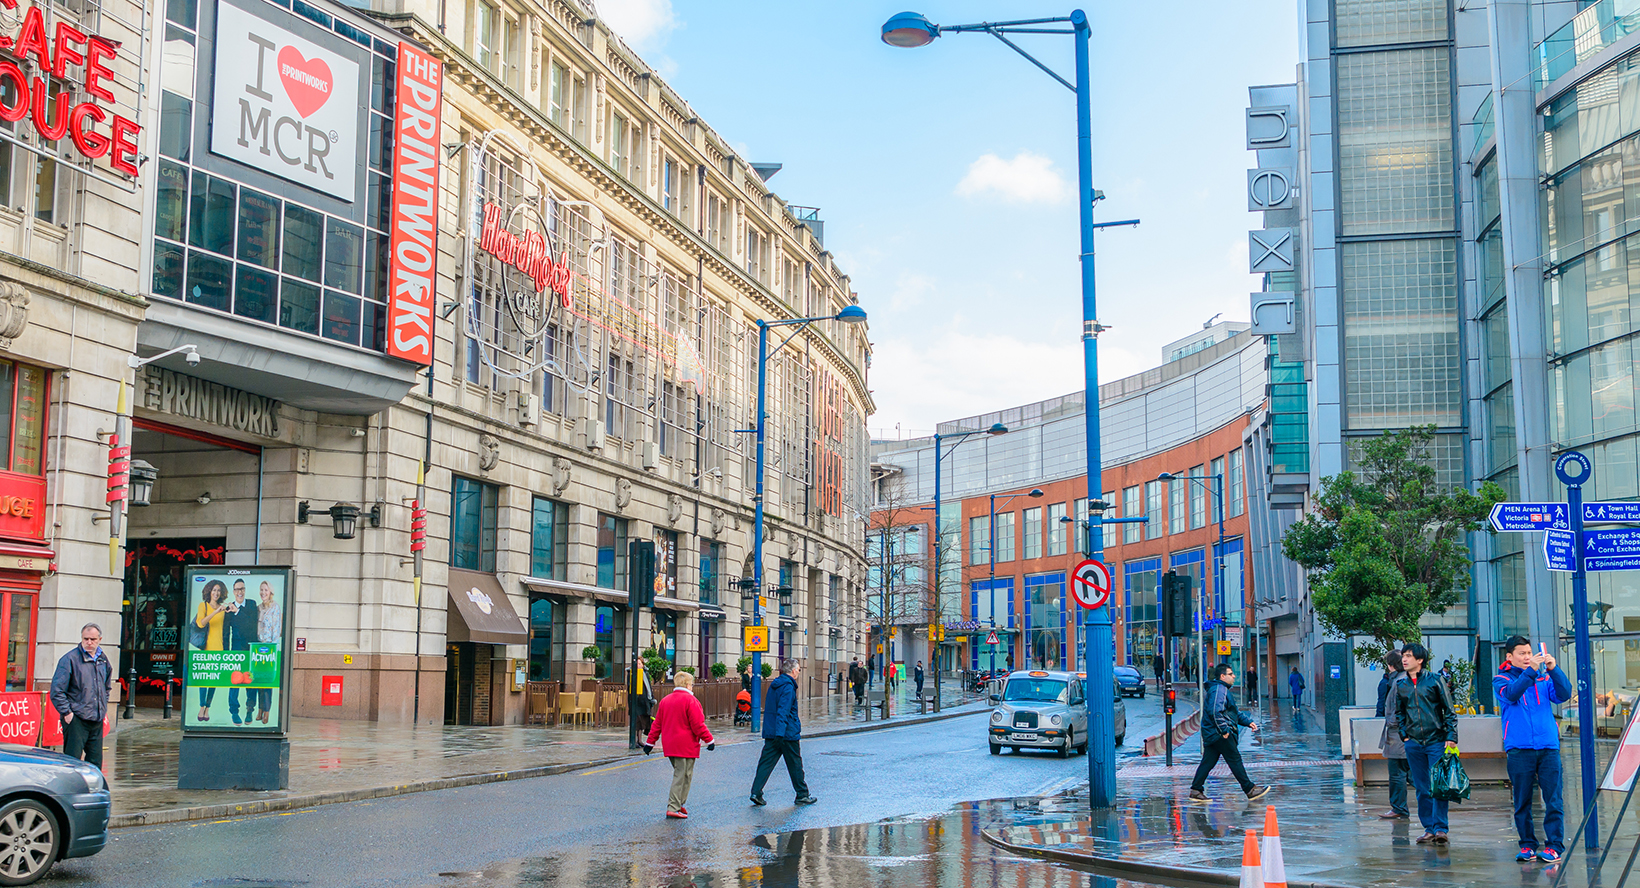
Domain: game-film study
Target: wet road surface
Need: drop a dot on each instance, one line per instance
(605, 826)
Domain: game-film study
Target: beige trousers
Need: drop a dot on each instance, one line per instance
(683, 774)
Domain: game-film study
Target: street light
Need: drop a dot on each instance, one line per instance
(909, 29)
(996, 428)
(1218, 573)
(851, 314)
(1035, 493)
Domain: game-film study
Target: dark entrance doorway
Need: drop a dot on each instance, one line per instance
(460, 659)
(156, 608)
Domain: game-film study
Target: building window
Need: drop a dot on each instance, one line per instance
(620, 149)
(1198, 497)
(556, 95)
(578, 107)
(979, 539)
(717, 222)
(672, 186)
(1177, 490)
(1221, 484)
(674, 419)
(549, 539)
(485, 24)
(611, 552)
(1235, 496)
(1056, 529)
(1132, 506)
(1005, 536)
(23, 399)
(512, 48)
(834, 603)
(620, 396)
(1155, 511)
(1080, 507)
(473, 507)
(1395, 141)
(546, 644)
(1108, 532)
(711, 571)
(1033, 533)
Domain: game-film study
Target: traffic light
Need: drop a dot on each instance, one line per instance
(640, 563)
(1169, 699)
(1176, 603)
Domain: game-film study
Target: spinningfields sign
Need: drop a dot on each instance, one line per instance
(284, 104)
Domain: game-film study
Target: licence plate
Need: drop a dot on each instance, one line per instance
(1023, 737)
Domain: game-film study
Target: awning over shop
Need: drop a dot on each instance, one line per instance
(613, 596)
(483, 610)
(712, 613)
(25, 556)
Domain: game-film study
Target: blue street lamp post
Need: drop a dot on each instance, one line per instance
(910, 29)
(852, 314)
(939, 538)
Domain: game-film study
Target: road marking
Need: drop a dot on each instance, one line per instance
(618, 767)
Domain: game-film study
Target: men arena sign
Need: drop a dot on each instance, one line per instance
(414, 245)
(285, 105)
(64, 48)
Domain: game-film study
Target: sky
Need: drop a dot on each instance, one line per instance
(946, 175)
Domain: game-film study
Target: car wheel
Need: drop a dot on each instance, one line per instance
(996, 749)
(1070, 741)
(1141, 693)
(28, 841)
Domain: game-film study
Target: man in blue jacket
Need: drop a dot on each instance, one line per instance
(1528, 688)
(781, 731)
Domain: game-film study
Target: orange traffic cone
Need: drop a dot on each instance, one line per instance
(1275, 869)
(1252, 875)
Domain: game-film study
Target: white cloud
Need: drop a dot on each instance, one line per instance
(934, 377)
(643, 24)
(1027, 178)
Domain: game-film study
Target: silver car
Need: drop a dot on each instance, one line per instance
(1041, 709)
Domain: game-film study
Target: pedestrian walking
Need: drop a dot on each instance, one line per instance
(1252, 686)
(1528, 687)
(1156, 667)
(782, 731)
(917, 677)
(1221, 731)
(857, 679)
(640, 697)
(1295, 683)
(1429, 728)
(1395, 751)
(680, 724)
(79, 690)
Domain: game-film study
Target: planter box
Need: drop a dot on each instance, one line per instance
(1480, 737)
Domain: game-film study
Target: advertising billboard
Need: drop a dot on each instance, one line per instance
(235, 645)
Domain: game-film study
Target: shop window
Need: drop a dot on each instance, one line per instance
(609, 634)
(299, 306)
(256, 294)
(546, 645)
(549, 539)
(210, 281)
(344, 258)
(611, 552)
(258, 229)
(211, 214)
(342, 318)
(303, 242)
(664, 635)
(18, 609)
(473, 507)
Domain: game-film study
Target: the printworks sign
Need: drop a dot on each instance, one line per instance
(234, 649)
(188, 397)
(417, 152)
(284, 104)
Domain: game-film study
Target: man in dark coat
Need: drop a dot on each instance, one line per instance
(241, 632)
(857, 680)
(1395, 751)
(917, 676)
(79, 691)
(782, 729)
(1221, 731)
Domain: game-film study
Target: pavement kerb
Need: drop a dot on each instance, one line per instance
(1155, 873)
(311, 800)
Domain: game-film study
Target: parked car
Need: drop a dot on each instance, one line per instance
(1130, 681)
(51, 807)
(1041, 709)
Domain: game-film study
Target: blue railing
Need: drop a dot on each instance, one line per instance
(1582, 38)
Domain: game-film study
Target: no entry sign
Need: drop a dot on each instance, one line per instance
(1620, 774)
(1090, 584)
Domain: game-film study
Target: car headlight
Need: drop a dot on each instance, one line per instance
(93, 777)
(996, 717)
(1053, 719)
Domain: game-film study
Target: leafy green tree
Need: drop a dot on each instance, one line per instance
(1387, 545)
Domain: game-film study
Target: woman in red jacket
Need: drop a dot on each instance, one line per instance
(680, 724)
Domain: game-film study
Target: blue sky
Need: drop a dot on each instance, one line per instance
(945, 175)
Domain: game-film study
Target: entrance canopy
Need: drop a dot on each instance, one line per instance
(484, 613)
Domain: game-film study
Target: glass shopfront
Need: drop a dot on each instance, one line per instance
(157, 607)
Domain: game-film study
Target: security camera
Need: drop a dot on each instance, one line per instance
(192, 358)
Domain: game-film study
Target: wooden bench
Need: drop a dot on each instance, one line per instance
(1480, 738)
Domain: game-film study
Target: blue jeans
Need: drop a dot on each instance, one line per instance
(1543, 767)
(1420, 756)
(1397, 785)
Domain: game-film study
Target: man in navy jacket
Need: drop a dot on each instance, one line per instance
(1528, 688)
(782, 730)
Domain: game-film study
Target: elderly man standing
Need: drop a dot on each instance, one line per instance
(79, 690)
(781, 732)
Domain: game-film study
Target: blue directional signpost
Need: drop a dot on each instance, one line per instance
(1570, 549)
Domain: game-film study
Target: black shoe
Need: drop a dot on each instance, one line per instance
(1257, 792)
(758, 801)
(806, 800)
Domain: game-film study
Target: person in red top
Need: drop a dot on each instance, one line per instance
(680, 724)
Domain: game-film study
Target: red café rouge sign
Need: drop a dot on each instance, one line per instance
(67, 45)
(526, 252)
(22, 506)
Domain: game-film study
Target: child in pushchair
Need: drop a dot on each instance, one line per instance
(743, 708)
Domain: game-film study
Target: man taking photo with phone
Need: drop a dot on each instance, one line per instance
(1528, 687)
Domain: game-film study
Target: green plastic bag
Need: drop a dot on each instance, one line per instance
(1447, 780)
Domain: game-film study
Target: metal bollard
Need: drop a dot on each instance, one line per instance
(131, 694)
(167, 695)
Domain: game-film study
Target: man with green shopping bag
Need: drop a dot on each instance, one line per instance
(1429, 729)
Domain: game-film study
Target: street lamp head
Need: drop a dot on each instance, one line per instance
(852, 314)
(909, 30)
(997, 428)
(1036, 493)
(1165, 476)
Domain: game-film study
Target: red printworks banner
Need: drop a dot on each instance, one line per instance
(414, 244)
